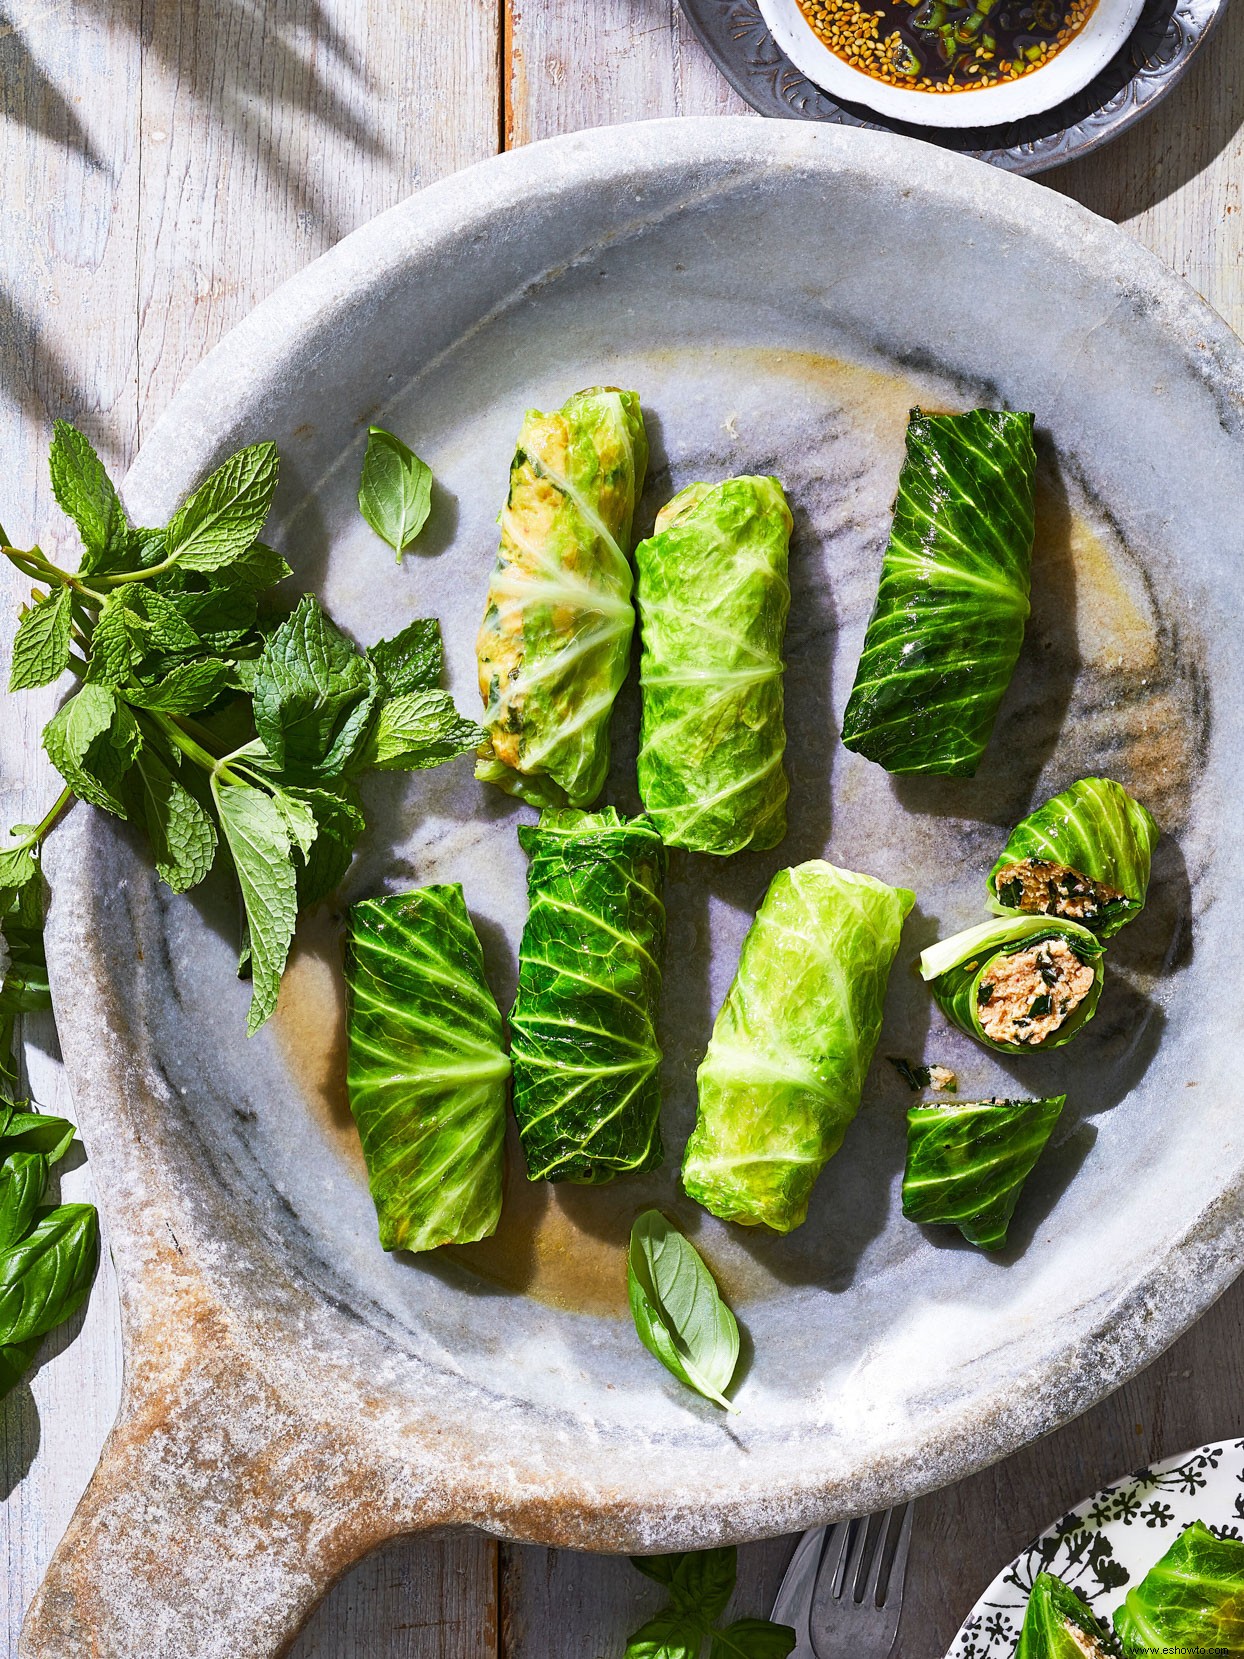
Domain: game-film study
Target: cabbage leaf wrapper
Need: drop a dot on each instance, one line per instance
(967, 1161)
(713, 598)
(1191, 1601)
(1085, 854)
(948, 623)
(426, 1068)
(785, 1066)
(554, 645)
(1019, 984)
(583, 1029)
(1059, 1625)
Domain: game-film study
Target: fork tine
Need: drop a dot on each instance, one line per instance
(857, 1561)
(873, 1587)
(898, 1567)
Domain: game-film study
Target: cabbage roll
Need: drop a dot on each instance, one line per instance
(785, 1066)
(1059, 1625)
(555, 642)
(1192, 1601)
(426, 1068)
(967, 1161)
(583, 1030)
(1085, 854)
(949, 619)
(1023, 983)
(713, 596)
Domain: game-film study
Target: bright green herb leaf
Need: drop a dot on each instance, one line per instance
(314, 696)
(395, 491)
(40, 1132)
(92, 741)
(417, 730)
(412, 660)
(226, 513)
(703, 1580)
(15, 1358)
(258, 838)
(41, 645)
(181, 831)
(23, 1176)
(170, 631)
(117, 641)
(339, 824)
(701, 1583)
(254, 572)
(752, 1639)
(44, 1279)
(668, 1636)
(220, 617)
(678, 1311)
(84, 491)
(188, 688)
(300, 821)
(17, 867)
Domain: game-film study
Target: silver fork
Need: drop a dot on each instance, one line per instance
(843, 1590)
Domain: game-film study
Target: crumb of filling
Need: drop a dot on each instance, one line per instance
(1027, 995)
(943, 1080)
(1088, 1645)
(1040, 888)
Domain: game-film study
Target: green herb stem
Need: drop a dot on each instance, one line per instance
(45, 823)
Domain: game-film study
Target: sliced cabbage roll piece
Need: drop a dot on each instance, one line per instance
(713, 597)
(1192, 1601)
(1085, 854)
(949, 619)
(1059, 1625)
(785, 1067)
(554, 645)
(426, 1068)
(1023, 983)
(967, 1161)
(583, 1029)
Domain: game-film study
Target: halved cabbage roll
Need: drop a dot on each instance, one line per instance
(1023, 983)
(1058, 1625)
(949, 619)
(967, 1161)
(1192, 1601)
(426, 1068)
(554, 645)
(785, 1066)
(1085, 854)
(583, 1029)
(713, 597)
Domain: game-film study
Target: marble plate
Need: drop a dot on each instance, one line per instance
(781, 294)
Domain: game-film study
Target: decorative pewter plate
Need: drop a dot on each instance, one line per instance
(294, 1395)
(1163, 44)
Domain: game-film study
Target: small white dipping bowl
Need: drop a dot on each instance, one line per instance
(1063, 75)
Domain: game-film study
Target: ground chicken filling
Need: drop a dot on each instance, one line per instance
(1043, 889)
(1026, 996)
(1088, 1645)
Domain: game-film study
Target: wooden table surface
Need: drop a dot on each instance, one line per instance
(166, 164)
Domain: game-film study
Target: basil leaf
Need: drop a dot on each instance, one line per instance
(45, 1278)
(182, 835)
(92, 741)
(187, 688)
(339, 824)
(38, 1132)
(84, 491)
(660, 1568)
(420, 729)
(668, 1636)
(412, 660)
(258, 838)
(395, 491)
(116, 641)
(678, 1312)
(17, 867)
(41, 644)
(15, 1358)
(226, 513)
(753, 1639)
(703, 1580)
(23, 1176)
(314, 696)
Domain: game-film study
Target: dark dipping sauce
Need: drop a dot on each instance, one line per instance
(935, 46)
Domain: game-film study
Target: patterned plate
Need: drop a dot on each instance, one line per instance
(1162, 45)
(1110, 1541)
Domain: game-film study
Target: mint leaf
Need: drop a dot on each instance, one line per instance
(226, 513)
(116, 646)
(258, 569)
(339, 823)
(17, 867)
(753, 1639)
(314, 696)
(299, 820)
(169, 629)
(41, 645)
(182, 835)
(395, 491)
(412, 660)
(418, 730)
(188, 688)
(220, 617)
(258, 839)
(84, 491)
(92, 741)
(44, 1279)
(668, 1636)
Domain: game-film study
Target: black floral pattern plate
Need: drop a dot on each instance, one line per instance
(1162, 45)
(1110, 1541)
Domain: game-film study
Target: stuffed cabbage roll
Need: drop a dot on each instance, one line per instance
(1085, 854)
(555, 642)
(949, 619)
(967, 1161)
(1192, 1601)
(426, 1068)
(1024, 983)
(583, 1029)
(785, 1066)
(1059, 1625)
(713, 596)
